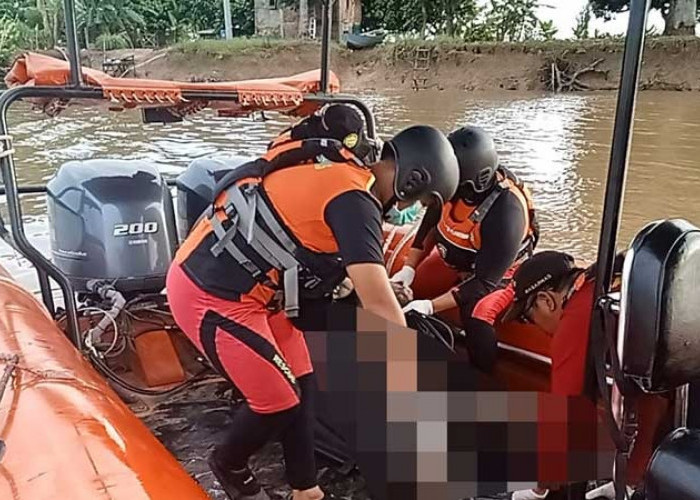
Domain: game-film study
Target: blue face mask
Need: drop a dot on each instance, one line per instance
(400, 217)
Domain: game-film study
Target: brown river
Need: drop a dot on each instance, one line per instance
(559, 144)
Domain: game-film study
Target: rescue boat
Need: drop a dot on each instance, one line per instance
(75, 380)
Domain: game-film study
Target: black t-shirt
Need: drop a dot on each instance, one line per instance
(355, 218)
(501, 239)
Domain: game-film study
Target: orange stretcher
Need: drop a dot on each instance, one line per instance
(286, 94)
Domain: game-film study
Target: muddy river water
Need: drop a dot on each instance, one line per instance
(559, 144)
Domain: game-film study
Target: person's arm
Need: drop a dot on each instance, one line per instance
(355, 220)
(424, 241)
(501, 238)
(374, 291)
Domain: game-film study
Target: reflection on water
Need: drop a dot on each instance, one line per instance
(558, 144)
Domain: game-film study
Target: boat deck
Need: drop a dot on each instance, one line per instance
(191, 422)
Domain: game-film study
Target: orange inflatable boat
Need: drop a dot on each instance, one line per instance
(87, 443)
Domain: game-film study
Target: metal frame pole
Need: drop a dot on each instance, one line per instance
(76, 74)
(614, 195)
(228, 25)
(326, 44)
(622, 137)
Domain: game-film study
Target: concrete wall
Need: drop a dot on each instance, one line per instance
(349, 13)
(271, 21)
(287, 22)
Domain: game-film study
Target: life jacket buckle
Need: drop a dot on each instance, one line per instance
(312, 282)
(276, 303)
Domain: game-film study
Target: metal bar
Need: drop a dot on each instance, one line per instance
(614, 193)
(41, 189)
(14, 208)
(622, 137)
(46, 294)
(327, 15)
(26, 189)
(228, 25)
(76, 73)
(681, 406)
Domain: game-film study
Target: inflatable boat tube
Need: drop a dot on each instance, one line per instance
(66, 433)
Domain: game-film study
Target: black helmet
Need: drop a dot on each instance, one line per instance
(426, 165)
(477, 157)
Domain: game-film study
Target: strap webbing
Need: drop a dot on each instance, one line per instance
(480, 212)
(264, 245)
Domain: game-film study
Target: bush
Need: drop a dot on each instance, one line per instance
(112, 41)
(11, 39)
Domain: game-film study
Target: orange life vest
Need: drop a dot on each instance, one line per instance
(274, 226)
(460, 223)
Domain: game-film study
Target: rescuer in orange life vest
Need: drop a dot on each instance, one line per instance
(273, 238)
(488, 225)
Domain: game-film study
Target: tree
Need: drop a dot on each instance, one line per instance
(513, 20)
(583, 21)
(679, 15)
(422, 17)
(546, 30)
(113, 17)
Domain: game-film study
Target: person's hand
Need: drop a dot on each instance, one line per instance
(405, 276)
(421, 306)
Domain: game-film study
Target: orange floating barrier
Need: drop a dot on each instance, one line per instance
(286, 94)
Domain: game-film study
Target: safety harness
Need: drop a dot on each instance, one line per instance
(506, 182)
(247, 213)
(479, 214)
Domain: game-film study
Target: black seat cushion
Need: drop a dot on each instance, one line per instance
(660, 318)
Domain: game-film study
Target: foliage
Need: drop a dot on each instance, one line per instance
(606, 8)
(109, 41)
(421, 17)
(546, 30)
(499, 20)
(104, 17)
(10, 38)
(583, 21)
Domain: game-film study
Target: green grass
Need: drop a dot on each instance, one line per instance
(404, 47)
(240, 45)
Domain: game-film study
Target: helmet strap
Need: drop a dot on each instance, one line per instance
(387, 206)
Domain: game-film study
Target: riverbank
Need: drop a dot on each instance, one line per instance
(669, 64)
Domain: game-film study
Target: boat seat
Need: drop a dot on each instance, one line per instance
(660, 313)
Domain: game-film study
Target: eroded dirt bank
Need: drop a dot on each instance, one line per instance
(669, 64)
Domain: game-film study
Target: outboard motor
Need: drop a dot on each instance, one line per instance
(658, 348)
(112, 220)
(196, 185)
(674, 470)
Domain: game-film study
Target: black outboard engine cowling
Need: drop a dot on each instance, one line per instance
(112, 220)
(196, 186)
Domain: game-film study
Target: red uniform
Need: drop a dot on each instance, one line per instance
(568, 353)
(226, 311)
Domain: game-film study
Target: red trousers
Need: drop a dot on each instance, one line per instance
(261, 353)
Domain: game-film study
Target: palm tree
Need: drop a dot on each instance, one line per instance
(107, 17)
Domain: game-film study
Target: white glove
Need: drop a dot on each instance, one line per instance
(405, 276)
(606, 491)
(421, 306)
(529, 495)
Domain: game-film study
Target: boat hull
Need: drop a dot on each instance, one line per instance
(67, 433)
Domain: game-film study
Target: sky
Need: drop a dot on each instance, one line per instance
(564, 13)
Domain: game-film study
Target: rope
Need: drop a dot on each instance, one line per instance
(12, 362)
